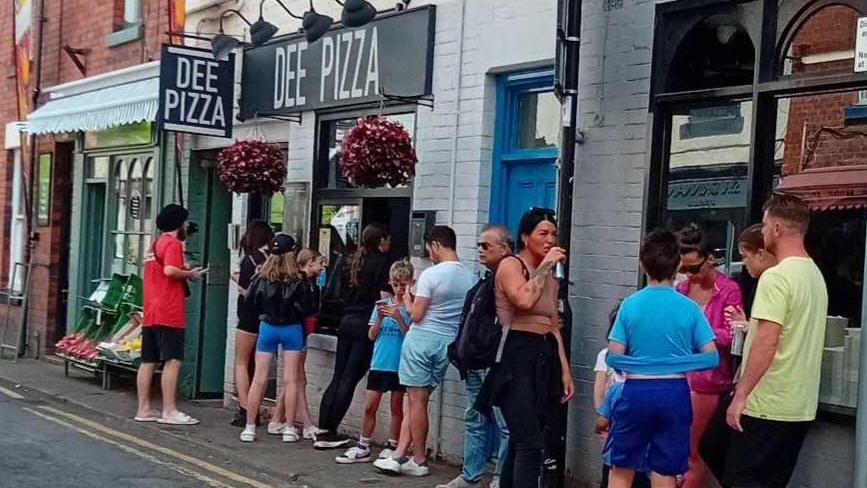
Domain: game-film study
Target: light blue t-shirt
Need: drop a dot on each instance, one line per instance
(606, 409)
(446, 284)
(386, 348)
(663, 332)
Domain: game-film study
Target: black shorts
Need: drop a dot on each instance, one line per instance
(249, 326)
(764, 454)
(248, 321)
(384, 381)
(161, 343)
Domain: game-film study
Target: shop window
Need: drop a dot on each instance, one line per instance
(713, 121)
(716, 52)
(824, 44)
(132, 222)
(707, 180)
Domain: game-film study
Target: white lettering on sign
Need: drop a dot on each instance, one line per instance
(186, 105)
(373, 64)
(288, 75)
(327, 66)
(861, 46)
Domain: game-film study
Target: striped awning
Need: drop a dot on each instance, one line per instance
(98, 109)
(834, 188)
(125, 96)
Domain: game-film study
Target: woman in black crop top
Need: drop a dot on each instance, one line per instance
(254, 247)
(368, 273)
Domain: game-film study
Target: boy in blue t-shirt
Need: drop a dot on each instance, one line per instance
(388, 324)
(659, 335)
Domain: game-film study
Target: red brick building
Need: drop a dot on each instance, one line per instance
(71, 40)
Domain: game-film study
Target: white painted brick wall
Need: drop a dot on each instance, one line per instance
(499, 35)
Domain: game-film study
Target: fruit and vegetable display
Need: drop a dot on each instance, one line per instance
(79, 346)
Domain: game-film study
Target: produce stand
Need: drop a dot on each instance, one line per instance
(106, 340)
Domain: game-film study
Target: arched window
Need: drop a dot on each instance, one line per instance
(716, 52)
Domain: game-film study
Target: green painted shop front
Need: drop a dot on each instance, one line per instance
(122, 177)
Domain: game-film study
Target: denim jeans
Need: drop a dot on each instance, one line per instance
(482, 437)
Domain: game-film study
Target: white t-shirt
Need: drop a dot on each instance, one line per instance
(446, 284)
(602, 367)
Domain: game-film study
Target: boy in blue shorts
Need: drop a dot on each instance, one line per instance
(659, 335)
(388, 324)
(604, 423)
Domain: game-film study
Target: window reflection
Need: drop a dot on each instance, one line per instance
(345, 220)
(825, 44)
(707, 179)
(539, 123)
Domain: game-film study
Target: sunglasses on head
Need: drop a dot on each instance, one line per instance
(693, 268)
(543, 211)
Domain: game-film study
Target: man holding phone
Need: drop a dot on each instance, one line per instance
(165, 291)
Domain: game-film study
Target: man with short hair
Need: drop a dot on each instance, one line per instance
(164, 317)
(777, 394)
(435, 311)
(493, 246)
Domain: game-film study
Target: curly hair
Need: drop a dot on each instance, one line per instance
(401, 271)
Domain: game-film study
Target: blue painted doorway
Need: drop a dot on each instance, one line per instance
(525, 146)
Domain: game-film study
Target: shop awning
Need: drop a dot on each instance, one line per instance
(836, 188)
(118, 98)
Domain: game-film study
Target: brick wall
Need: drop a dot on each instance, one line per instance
(79, 25)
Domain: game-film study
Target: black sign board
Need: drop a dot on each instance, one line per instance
(196, 92)
(393, 53)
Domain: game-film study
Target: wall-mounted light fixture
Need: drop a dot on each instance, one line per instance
(356, 13)
(221, 44)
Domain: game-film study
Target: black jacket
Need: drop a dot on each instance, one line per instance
(372, 277)
(280, 302)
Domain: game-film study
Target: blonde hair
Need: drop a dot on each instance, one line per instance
(280, 267)
(401, 271)
(306, 256)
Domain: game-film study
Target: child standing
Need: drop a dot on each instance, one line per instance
(281, 299)
(659, 335)
(388, 324)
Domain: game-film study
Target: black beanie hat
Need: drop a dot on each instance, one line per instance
(282, 243)
(172, 217)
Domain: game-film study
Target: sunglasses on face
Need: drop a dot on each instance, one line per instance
(485, 246)
(693, 268)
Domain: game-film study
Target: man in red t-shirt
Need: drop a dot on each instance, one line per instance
(165, 275)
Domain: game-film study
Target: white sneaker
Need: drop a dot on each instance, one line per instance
(495, 482)
(275, 428)
(385, 453)
(248, 434)
(356, 454)
(412, 468)
(290, 434)
(388, 464)
(310, 433)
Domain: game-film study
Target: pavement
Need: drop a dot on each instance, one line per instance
(71, 432)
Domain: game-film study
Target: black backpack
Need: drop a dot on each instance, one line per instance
(479, 332)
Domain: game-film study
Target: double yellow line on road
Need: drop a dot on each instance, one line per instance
(142, 448)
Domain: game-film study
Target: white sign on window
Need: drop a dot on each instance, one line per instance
(861, 46)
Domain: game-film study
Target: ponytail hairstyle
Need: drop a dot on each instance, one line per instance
(692, 239)
(371, 237)
(257, 235)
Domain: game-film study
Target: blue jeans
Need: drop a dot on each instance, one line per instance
(482, 437)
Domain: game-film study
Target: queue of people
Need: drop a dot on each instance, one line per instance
(677, 398)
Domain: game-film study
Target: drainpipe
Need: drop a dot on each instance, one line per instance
(31, 201)
(452, 181)
(861, 419)
(568, 36)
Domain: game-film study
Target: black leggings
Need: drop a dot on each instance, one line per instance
(354, 351)
(528, 397)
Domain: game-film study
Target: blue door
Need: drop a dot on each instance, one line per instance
(525, 146)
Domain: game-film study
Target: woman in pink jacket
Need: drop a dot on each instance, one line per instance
(714, 292)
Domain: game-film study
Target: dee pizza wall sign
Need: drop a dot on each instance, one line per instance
(196, 92)
(393, 53)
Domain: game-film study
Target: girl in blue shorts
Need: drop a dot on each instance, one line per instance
(282, 300)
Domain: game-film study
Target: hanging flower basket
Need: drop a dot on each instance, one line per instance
(252, 166)
(378, 152)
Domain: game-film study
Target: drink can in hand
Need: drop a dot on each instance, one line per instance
(738, 336)
(559, 271)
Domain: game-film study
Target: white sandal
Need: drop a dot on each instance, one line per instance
(179, 418)
(248, 434)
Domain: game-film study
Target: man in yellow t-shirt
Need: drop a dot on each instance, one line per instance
(777, 395)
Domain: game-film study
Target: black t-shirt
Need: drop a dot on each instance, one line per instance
(249, 265)
(372, 277)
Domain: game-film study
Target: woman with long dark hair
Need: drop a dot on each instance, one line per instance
(254, 249)
(533, 374)
(368, 273)
(714, 292)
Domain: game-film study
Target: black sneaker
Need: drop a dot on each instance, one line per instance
(330, 440)
(240, 419)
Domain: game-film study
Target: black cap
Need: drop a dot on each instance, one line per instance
(172, 217)
(282, 243)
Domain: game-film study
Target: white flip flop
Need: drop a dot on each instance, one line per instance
(179, 418)
(153, 416)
